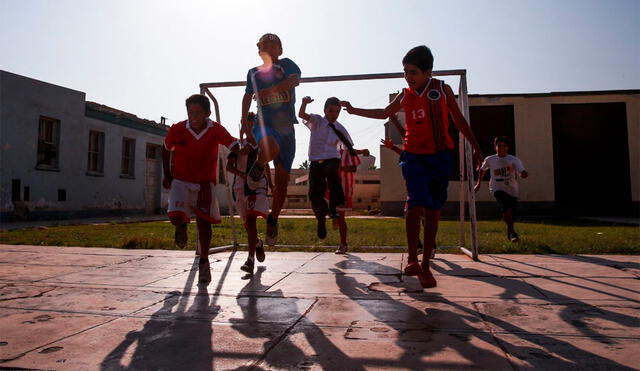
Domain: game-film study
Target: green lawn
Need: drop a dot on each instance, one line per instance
(540, 236)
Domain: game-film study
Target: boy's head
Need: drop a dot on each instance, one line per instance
(418, 65)
(501, 144)
(270, 46)
(332, 109)
(198, 109)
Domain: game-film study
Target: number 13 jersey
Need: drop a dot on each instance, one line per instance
(427, 119)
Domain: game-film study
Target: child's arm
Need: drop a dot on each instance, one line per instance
(365, 152)
(232, 161)
(396, 124)
(246, 104)
(166, 168)
(389, 144)
(303, 108)
(375, 113)
(520, 168)
(481, 173)
(462, 125)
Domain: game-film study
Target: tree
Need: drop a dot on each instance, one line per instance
(304, 165)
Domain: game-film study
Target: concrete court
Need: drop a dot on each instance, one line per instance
(71, 308)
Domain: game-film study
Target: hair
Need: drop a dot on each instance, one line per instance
(200, 100)
(421, 57)
(333, 101)
(502, 139)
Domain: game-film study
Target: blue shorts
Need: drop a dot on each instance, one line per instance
(286, 139)
(427, 178)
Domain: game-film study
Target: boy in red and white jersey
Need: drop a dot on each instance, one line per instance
(191, 174)
(426, 159)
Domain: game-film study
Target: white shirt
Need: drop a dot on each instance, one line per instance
(504, 173)
(323, 144)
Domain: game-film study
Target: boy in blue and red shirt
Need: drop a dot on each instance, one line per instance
(426, 158)
(273, 85)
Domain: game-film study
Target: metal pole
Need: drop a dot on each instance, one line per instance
(470, 181)
(461, 151)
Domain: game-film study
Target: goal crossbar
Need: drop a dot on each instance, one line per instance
(465, 149)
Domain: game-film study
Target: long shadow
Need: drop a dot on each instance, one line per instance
(293, 357)
(174, 337)
(419, 334)
(574, 313)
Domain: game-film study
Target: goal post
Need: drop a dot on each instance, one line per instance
(465, 150)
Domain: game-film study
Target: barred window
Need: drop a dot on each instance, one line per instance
(48, 142)
(128, 157)
(96, 153)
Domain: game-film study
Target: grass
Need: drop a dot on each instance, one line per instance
(538, 236)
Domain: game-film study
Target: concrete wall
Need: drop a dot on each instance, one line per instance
(534, 143)
(22, 102)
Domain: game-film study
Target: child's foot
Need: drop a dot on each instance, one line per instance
(260, 251)
(255, 175)
(513, 237)
(342, 249)
(180, 236)
(321, 229)
(412, 268)
(272, 230)
(248, 266)
(426, 279)
(204, 271)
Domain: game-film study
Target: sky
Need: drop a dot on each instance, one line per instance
(147, 56)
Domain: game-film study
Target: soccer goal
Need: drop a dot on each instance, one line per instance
(466, 193)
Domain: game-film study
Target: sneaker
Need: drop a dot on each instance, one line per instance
(426, 279)
(322, 228)
(260, 251)
(513, 237)
(180, 236)
(248, 266)
(342, 249)
(272, 231)
(204, 272)
(254, 176)
(412, 268)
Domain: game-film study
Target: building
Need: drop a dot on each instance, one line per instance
(64, 157)
(581, 149)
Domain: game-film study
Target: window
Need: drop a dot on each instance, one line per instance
(62, 195)
(15, 189)
(96, 153)
(128, 157)
(48, 135)
(26, 194)
(151, 152)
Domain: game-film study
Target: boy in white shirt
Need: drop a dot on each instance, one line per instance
(504, 169)
(326, 134)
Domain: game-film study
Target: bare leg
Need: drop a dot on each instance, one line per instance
(412, 223)
(507, 215)
(280, 192)
(342, 226)
(252, 233)
(431, 219)
(204, 235)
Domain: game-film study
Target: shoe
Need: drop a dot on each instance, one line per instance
(260, 251)
(513, 237)
(412, 268)
(180, 236)
(342, 249)
(272, 231)
(254, 176)
(248, 266)
(204, 272)
(322, 228)
(426, 279)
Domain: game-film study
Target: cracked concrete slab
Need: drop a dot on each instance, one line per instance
(113, 309)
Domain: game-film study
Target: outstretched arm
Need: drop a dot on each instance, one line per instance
(479, 182)
(374, 113)
(396, 124)
(289, 83)
(302, 113)
(389, 144)
(246, 104)
(463, 126)
(166, 167)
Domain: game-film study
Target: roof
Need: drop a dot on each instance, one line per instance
(116, 116)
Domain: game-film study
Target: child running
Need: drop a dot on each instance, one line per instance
(426, 158)
(191, 176)
(326, 134)
(250, 203)
(504, 169)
